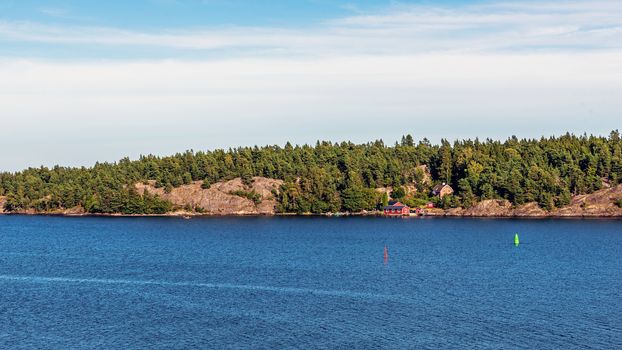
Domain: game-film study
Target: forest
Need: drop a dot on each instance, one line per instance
(339, 177)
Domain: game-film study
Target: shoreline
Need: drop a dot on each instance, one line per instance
(604, 203)
(328, 215)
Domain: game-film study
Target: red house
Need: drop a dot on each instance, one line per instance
(396, 209)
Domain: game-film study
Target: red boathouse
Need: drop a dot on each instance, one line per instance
(396, 209)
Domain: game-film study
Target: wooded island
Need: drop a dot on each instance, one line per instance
(328, 177)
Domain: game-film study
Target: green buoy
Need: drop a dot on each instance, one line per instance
(516, 241)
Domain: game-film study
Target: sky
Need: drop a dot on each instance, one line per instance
(84, 81)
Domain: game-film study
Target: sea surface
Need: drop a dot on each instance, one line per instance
(309, 283)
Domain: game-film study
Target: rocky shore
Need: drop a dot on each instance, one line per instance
(233, 197)
(598, 204)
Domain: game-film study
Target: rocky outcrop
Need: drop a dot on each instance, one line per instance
(448, 212)
(598, 204)
(220, 198)
(492, 207)
(2, 201)
(529, 210)
(77, 211)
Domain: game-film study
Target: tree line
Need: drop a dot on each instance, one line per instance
(331, 177)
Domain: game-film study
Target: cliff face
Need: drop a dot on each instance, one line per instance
(598, 204)
(2, 201)
(218, 199)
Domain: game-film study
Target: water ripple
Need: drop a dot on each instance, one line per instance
(275, 289)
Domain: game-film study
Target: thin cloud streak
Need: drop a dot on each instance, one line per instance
(403, 29)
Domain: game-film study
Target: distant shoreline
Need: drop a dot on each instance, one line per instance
(599, 204)
(564, 176)
(368, 214)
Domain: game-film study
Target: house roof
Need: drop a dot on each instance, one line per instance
(396, 205)
(439, 187)
(399, 207)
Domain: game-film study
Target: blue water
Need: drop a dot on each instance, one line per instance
(309, 282)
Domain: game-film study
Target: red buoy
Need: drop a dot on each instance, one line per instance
(386, 254)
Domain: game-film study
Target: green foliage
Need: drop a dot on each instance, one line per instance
(449, 201)
(385, 199)
(619, 203)
(398, 193)
(331, 177)
(356, 199)
(466, 191)
(126, 202)
(252, 195)
(187, 178)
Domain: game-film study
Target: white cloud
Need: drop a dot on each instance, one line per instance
(473, 70)
(107, 109)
